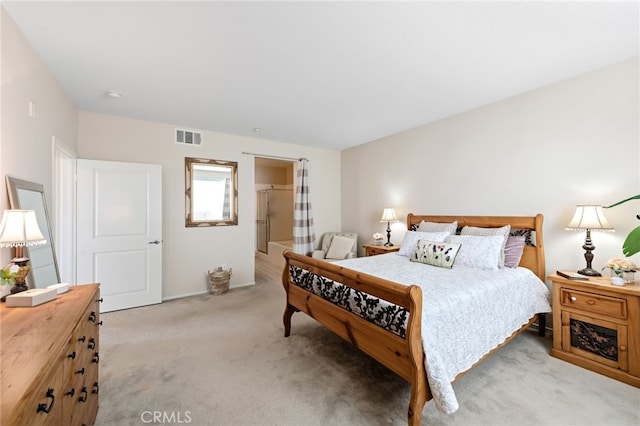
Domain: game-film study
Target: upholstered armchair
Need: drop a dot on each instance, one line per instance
(337, 245)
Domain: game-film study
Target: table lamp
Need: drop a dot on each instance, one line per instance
(388, 215)
(589, 218)
(19, 229)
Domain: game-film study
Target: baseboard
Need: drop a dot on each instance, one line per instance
(199, 293)
(181, 296)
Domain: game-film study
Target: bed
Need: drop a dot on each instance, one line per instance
(376, 303)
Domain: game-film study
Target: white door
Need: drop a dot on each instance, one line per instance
(119, 231)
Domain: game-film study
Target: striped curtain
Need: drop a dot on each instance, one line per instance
(226, 207)
(304, 237)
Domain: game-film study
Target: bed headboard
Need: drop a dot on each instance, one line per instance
(532, 257)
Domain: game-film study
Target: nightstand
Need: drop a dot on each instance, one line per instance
(596, 325)
(372, 249)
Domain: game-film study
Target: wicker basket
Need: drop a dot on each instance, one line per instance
(219, 280)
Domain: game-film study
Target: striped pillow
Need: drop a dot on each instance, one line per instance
(485, 232)
(438, 227)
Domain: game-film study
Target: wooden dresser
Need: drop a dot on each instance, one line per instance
(50, 359)
(596, 325)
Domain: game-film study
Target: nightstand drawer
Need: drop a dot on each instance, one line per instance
(373, 250)
(377, 250)
(594, 303)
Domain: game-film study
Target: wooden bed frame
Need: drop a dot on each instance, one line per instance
(403, 356)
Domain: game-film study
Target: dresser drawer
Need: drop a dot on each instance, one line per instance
(598, 304)
(42, 404)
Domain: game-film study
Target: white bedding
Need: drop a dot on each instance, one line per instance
(466, 312)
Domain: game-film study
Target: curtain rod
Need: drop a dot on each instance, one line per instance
(275, 156)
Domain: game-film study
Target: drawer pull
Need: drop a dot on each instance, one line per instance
(96, 358)
(573, 298)
(71, 392)
(81, 371)
(92, 316)
(82, 339)
(92, 343)
(72, 355)
(96, 388)
(100, 300)
(591, 302)
(43, 408)
(83, 398)
(100, 323)
(622, 348)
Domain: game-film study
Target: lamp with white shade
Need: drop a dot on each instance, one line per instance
(389, 215)
(589, 217)
(19, 229)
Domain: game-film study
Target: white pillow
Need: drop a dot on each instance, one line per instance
(451, 228)
(410, 243)
(483, 252)
(340, 247)
(504, 232)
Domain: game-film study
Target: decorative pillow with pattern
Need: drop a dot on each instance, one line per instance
(483, 252)
(410, 242)
(438, 227)
(503, 232)
(528, 235)
(436, 253)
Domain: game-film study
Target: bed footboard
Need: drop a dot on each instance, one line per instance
(404, 356)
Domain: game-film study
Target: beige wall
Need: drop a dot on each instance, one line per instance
(25, 141)
(545, 151)
(189, 252)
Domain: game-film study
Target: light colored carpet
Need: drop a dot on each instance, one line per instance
(223, 360)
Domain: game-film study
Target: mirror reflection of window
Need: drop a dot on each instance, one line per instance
(214, 181)
(211, 194)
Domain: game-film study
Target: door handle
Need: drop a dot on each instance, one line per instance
(154, 242)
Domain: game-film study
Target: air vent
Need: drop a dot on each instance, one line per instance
(188, 137)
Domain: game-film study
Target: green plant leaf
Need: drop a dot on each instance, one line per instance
(637, 197)
(631, 245)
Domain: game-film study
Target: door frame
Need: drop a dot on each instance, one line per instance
(64, 208)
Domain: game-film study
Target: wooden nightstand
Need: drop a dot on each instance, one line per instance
(596, 325)
(372, 249)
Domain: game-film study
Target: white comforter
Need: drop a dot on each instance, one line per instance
(466, 312)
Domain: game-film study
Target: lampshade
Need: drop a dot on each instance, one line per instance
(20, 228)
(589, 217)
(388, 215)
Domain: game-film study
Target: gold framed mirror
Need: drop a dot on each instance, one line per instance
(211, 192)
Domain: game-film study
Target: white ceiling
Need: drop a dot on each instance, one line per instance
(324, 74)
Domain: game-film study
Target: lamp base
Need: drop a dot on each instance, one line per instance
(16, 288)
(388, 243)
(19, 287)
(589, 272)
(21, 276)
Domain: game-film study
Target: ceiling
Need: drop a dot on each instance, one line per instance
(324, 74)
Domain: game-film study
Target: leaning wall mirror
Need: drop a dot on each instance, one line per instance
(42, 259)
(211, 192)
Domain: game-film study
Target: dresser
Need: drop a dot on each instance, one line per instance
(50, 359)
(596, 325)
